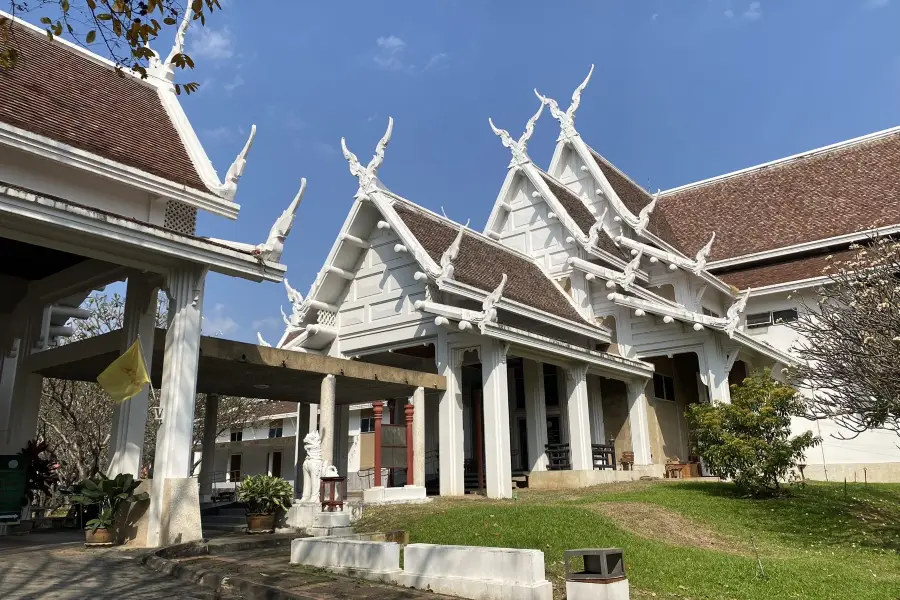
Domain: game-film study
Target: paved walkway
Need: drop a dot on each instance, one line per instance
(272, 567)
(55, 565)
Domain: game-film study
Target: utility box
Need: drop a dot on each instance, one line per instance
(602, 578)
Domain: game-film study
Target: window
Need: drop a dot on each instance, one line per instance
(663, 387)
(784, 316)
(276, 428)
(519, 376)
(710, 313)
(551, 389)
(759, 320)
(237, 436)
(366, 424)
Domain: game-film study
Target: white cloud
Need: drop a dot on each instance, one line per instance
(877, 3)
(293, 122)
(729, 13)
(235, 83)
(435, 60)
(217, 134)
(389, 53)
(325, 149)
(754, 11)
(212, 44)
(654, 16)
(218, 324)
(267, 323)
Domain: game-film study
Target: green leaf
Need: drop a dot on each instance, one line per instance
(90, 37)
(46, 20)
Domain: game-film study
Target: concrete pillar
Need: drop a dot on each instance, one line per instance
(208, 450)
(174, 503)
(496, 419)
(595, 406)
(418, 437)
(341, 438)
(579, 418)
(26, 396)
(326, 418)
(639, 422)
(377, 411)
(450, 418)
(7, 381)
(129, 420)
(305, 426)
(535, 414)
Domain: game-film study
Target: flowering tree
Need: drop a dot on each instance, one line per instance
(850, 341)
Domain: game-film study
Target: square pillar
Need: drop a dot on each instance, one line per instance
(208, 450)
(418, 437)
(327, 394)
(7, 381)
(129, 420)
(578, 417)
(535, 415)
(341, 438)
(498, 469)
(450, 417)
(639, 422)
(595, 406)
(305, 426)
(175, 496)
(25, 404)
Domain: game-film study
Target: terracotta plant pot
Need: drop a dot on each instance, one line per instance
(260, 523)
(100, 537)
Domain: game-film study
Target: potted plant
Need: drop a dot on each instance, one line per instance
(108, 495)
(264, 495)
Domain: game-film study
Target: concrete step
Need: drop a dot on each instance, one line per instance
(241, 512)
(224, 519)
(229, 528)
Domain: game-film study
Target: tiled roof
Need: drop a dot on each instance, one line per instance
(482, 264)
(579, 212)
(787, 270)
(816, 196)
(276, 408)
(57, 92)
(635, 198)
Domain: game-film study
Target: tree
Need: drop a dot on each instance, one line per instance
(126, 28)
(76, 416)
(749, 440)
(849, 339)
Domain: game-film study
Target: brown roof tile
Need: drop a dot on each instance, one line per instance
(57, 92)
(785, 271)
(635, 198)
(269, 408)
(821, 195)
(579, 212)
(481, 264)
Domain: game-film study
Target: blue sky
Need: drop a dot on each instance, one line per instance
(683, 90)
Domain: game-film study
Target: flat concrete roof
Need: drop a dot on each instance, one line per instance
(232, 368)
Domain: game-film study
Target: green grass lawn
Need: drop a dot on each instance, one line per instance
(689, 539)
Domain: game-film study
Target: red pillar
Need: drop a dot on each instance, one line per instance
(378, 408)
(410, 452)
(477, 406)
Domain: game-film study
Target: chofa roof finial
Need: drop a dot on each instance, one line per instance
(368, 176)
(272, 248)
(519, 148)
(566, 119)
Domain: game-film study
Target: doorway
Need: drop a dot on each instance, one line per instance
(275, 464)
(524, 464)
(234, 467)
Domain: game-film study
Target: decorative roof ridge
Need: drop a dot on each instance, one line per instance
(76, 49)
(807, 154)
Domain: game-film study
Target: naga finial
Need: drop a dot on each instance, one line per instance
(703, 255)
(519, 148)
(273, 247)
(368, 176)
(566, 119)
(644, 215)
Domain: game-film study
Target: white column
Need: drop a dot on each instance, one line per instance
(498, 470)
(208, 450)
(450, 415)
(305, 425)
(579, 417)
(714, 369)
(313, 423)
(174, 504)
(7, 381)
(639, 422)
(129, 420)
(341, 438)
(326, 418)
(595, 405)
(27, 387)
(535, 414)
(418, 402)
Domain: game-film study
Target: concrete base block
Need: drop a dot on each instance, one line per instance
(407, 493)
(595, 590)
(562, 480)
(364, 556)
(302, 515)
(328, 531)
(180, 514)
(331, 519)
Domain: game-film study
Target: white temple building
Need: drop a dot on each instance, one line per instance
(588, 310)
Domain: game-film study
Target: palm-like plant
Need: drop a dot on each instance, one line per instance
(108, 494)
(265, 494)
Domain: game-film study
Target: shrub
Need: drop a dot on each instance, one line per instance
(749, 440)
(265, 494)
(107, 495)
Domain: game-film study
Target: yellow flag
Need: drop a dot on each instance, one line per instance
(126, 375)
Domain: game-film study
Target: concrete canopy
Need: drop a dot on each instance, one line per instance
(232, 368)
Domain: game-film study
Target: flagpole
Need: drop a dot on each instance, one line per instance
(153, 394)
